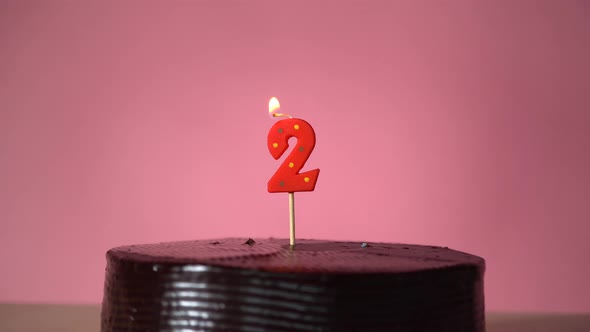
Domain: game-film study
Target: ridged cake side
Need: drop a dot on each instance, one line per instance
(226, 285)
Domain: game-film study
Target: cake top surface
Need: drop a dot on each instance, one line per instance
(313, 256)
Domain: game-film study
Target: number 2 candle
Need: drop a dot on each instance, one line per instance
(287, 177)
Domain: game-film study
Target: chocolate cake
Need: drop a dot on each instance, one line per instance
(265, 285)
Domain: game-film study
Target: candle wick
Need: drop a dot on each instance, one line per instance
(278, 115)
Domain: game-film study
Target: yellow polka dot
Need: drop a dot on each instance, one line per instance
(291, 165)
(296, 127)
(274, 145)
(306, 179)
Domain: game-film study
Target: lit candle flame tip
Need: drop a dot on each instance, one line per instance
(273, 105)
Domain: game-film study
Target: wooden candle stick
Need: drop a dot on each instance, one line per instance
(292, 219)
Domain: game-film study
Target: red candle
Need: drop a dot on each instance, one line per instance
(287, 177)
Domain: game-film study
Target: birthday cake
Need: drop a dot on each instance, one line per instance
(267, 285)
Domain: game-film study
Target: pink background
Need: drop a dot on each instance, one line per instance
(457, 123)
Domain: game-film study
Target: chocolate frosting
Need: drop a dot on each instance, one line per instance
(265, 285)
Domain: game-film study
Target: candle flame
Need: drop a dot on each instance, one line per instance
(273, 105)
